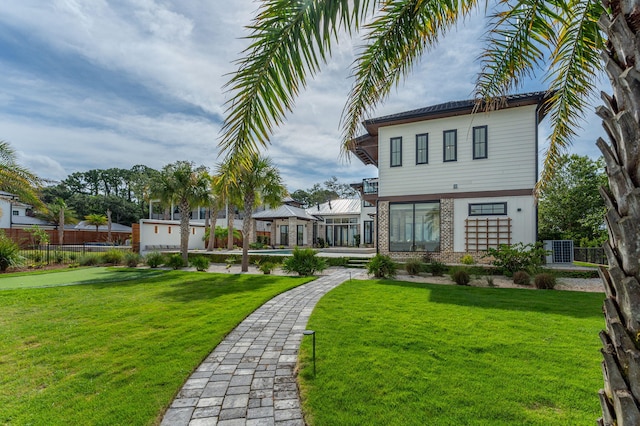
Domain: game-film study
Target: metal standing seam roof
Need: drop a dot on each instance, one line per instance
(342, 206)
(283, 212)
(453, 106)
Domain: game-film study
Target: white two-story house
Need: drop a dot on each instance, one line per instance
(451, 181)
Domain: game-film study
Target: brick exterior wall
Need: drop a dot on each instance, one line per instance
(446, 253)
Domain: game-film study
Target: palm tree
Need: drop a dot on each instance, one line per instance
(182, 184)
(217, 201)
(225, 184)
(96, 220)
(58, 213)
(259, 182)
(291, 40)
(16, 179)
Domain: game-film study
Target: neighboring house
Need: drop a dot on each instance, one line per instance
(341, 221)
(451, 181)
(17, 215)
(288, 225)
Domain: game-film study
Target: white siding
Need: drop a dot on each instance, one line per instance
(167, 233)
(523, 222)
(511, 162)
(5, 214)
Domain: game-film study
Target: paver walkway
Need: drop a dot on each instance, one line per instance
(249, 377)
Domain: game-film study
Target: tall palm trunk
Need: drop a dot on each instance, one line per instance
(230, 216)
(109, 225)
(249, 199)
(620, 398)
(184, 230)
(61, 226)
(212, 234)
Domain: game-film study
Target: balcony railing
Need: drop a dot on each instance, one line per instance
(370, 186)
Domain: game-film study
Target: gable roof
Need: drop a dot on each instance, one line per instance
(285, 211)
(341, 206)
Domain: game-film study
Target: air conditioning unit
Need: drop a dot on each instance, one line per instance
(561, 251)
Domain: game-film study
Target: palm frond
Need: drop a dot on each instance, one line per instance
(399, 34)
(290, 40)
(519, 39)
(575, 64)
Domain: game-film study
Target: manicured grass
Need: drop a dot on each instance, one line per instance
(398, 353)
(116, 353)
(72, 277)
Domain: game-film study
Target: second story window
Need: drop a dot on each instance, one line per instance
(450, 145)
(396, 152)
(422, 148)
(479, 142)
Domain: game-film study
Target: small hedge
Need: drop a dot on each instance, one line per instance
(545, 281)
(521, 278)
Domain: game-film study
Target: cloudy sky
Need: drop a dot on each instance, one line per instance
(93, 84)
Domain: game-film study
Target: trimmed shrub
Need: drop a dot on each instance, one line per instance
(201, 263)
(154, 259)
(467, 259)
(131, 259)
(89, 259)
(521, 278)
(413, 266)
(545, 281)
(337, 261)
(59, 257)
(113, 256)
(460, 276)
(437, 268)
(9, 253)
(381, 266)
(518, 257)
(175, 261)
(304, 261)
(266, 267)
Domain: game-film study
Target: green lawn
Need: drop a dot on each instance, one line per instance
(115, 353)
(72, 277)
(398, 353)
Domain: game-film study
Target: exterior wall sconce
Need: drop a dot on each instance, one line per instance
(455, 186)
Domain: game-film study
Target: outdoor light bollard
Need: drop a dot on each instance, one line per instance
(312, 333)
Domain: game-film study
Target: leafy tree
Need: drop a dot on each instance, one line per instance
(96, 220)
(570, 206)
(16, 179)
(291, 40)
(186, 186)
(318, 194)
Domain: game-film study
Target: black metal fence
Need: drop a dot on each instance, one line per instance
(590, 255)
(49, 254)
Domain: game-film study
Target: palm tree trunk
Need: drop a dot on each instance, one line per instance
(230, 216)
(207, 226)
(246, 228)
(61, 226)
(109, 225)
(620, 398)
(184, 231)
(212, 233)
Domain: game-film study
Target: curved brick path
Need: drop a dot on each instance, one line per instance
(249, 378)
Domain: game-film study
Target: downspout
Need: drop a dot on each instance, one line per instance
(537, 124)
